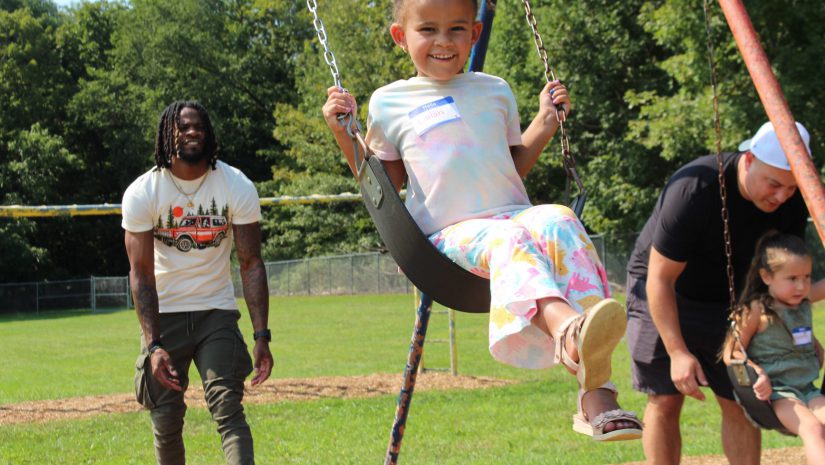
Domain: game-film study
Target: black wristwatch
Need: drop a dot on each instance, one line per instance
(154, 345)
(265, 333)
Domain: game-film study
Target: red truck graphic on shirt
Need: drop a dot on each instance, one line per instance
(199, 231)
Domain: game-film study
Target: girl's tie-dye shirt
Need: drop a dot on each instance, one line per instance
(454, 138)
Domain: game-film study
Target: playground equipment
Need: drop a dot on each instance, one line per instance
(807, 178)
(438, 277)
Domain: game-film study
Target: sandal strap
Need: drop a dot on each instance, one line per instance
(570, 327)
(610, 416)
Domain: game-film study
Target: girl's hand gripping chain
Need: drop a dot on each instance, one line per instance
(553, 101)
(339, 102)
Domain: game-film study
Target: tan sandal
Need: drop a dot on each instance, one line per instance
(595, 428)
(597, 331)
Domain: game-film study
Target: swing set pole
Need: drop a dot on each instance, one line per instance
(779, 113)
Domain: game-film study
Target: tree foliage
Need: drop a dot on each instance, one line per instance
(82, 89)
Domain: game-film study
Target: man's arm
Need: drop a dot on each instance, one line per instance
(817, 292)
(661, 294)
(255, 292)
(140, 248)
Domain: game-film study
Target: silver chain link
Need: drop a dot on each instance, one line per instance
(550, 75)
(360, 149)
(329, 57)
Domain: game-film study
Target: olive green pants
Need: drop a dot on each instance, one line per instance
(213, 341)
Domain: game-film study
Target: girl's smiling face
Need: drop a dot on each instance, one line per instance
(438, 35)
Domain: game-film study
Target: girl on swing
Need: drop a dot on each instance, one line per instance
(455, 137)
(774, 324)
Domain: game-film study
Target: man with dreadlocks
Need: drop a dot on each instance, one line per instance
(176, 218)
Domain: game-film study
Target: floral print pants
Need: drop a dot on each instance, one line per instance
(530, 254)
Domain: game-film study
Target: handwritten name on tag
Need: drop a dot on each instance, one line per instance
(802, 335)
(433, 114)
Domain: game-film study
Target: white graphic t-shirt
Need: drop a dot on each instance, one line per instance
(193, 232)
(454, 138)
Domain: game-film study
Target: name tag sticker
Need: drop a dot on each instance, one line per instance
(432, 114)
(802, 335)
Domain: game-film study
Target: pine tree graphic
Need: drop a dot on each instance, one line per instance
(213, 210)
(160, 222)
(200, 210)
(170, 219)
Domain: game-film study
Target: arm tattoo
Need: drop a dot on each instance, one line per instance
(253, 273)
(145, 296)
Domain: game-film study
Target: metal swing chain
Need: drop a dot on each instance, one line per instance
(723, 191)
(348, 120)
(329, 57)
(568, 161)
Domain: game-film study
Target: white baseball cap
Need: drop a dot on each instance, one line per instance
(765, 146)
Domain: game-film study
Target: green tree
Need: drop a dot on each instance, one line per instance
(366, 60)
(235, 59)
(38, 170)
(676, 119)
(598, 51)
(33, 83)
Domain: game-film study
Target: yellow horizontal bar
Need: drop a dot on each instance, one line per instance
(24, 211)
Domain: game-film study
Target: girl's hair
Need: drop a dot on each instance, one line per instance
(398, 9)
(772, 251)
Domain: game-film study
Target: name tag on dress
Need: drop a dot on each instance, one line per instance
(432, 114)
(802, 335)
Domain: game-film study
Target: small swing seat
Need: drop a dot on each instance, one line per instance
(759, 412)
(424, 265)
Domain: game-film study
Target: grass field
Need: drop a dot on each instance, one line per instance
(78, 354)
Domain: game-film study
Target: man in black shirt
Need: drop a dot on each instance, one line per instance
(677, 287)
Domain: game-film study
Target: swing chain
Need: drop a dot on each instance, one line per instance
(568, 161)
(549, 74)
(347, 120)
(723, 191)
(329, 57)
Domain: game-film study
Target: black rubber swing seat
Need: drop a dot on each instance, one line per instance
(424, 265)
(759, 412)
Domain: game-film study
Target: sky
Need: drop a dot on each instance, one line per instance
(64, 2)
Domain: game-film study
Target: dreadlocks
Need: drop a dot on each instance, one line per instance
(165, 141)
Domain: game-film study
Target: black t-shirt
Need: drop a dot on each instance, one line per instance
(686, 226)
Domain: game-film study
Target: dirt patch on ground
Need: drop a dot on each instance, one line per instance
(785, 456)
(273, 390)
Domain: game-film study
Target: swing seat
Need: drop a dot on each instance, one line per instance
(759, 412)
(424, 265)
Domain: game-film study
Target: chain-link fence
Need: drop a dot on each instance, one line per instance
(370, 273)
(95, 293)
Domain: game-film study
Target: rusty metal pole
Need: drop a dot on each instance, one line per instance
(773, 100)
